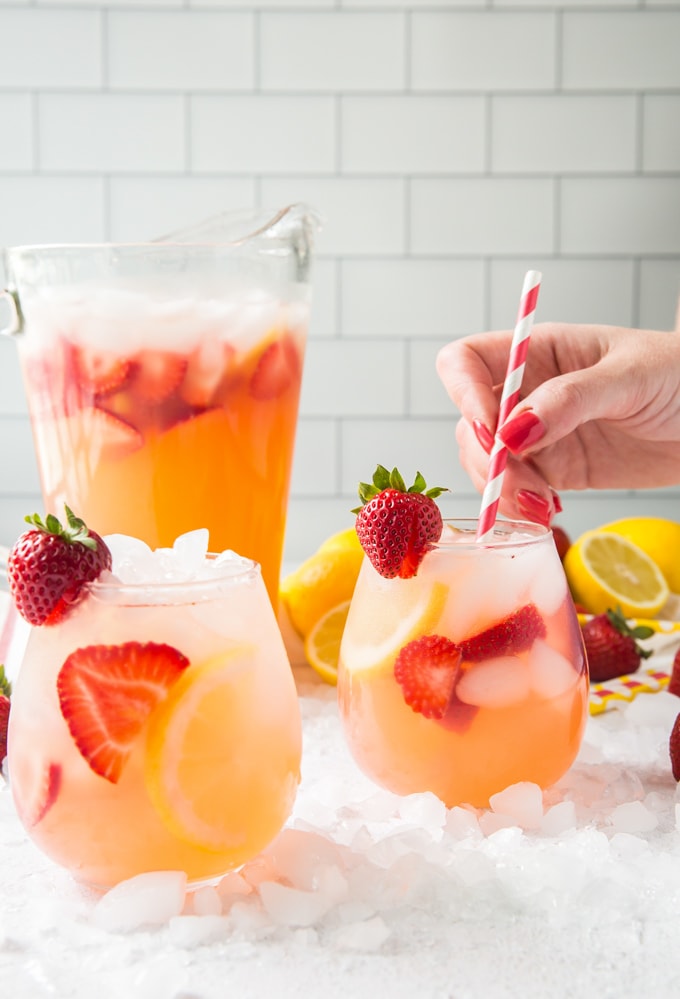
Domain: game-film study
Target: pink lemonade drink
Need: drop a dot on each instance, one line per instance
(471, 675)
(156, 726)
(163, 379)
(153, 441)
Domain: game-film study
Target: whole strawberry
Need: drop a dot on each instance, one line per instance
(674, 682)
(674, 748)
(397, 526)
(611, 646)
(49, 564)
(5, 693)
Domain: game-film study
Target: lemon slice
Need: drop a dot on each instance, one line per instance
(197, 750)
(381, 621)
(322, 645)
(605, 569)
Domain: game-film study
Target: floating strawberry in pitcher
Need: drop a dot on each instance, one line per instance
(397, 526)
(49, 565)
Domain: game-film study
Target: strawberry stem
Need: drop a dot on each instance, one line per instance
(75, 533)
(384, 479)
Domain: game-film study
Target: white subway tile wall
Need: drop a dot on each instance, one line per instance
(450, 145)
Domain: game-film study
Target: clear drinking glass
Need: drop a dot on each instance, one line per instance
(163, 378)
(112, 779)
(514, 681)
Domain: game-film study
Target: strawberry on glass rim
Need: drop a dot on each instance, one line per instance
(396, 525)
(49, 565)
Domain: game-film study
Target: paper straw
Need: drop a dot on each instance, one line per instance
(509, 399)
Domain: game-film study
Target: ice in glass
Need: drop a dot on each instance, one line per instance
(156, 726)
(469, 676)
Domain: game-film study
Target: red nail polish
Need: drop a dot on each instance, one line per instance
(483, 435)
(521, 432)
(535, 507)
(557, 502)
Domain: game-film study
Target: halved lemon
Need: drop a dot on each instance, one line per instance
(204, 755)
(658, 537)
(605, 569)
(384, 619)
(322, 645)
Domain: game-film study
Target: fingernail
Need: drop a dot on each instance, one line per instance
(483, 435)
(535, 507)
(521, 432)
(557, 502)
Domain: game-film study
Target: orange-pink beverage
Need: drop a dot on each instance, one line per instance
(157, 727)
(152, 419)
(470, 676)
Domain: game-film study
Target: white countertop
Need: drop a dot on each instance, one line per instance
(411, 901)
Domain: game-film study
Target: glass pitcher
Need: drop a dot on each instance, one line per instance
(163, 378)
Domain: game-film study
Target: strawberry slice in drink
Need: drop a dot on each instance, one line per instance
(99, 372)
(514, 634)
(427, 670)
(107, 693)
(278, 367)
(156, 374)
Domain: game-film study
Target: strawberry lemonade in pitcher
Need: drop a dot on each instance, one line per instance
(154, 722)
(462, 668)
(163, 379)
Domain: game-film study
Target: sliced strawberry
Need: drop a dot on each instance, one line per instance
(459, 715)
(427, 671)
(156, 374)
(206, 367)
(111, 433)
(278, 367)
(514, 634)
(106, 694)
(99, 372)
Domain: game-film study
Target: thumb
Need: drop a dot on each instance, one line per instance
(557, 407)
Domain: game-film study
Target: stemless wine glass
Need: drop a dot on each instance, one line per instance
(157, 727)
(470, 676)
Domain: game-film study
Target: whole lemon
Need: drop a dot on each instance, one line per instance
(325, 580)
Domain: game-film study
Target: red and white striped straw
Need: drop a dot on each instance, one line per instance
(509, 399)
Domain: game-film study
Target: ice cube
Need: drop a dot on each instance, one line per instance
(206, 901)
(494, 683)
(550, 674)
(462, 822)
(522, 802)
(424, 809)
(191, 549)
(559, 819)
(295, 907)
(367, 935)
(144, 900)
(633, 817)
(298, 855)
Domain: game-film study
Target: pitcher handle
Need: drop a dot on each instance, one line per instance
(13, 324)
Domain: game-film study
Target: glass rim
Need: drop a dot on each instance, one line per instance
(503, 537)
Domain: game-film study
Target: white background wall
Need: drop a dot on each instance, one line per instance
(450, 145)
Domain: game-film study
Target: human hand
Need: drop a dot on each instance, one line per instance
(600, 409)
